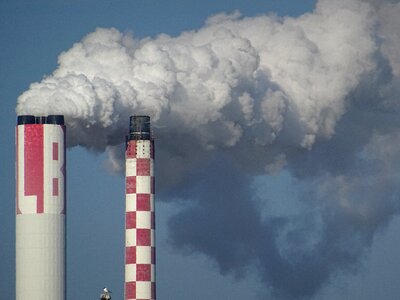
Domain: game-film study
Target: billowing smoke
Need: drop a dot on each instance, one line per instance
(315, 97)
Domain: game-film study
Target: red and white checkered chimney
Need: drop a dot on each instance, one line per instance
(139, 215)
(40, 208)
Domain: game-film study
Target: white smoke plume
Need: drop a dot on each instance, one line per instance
(258, 78)
(316, 95)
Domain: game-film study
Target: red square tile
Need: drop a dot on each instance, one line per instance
(143, 272)
(130, 255)
(130, 290)
(130, 219)
(143, 237)
(143, 202)
(130, 184)
(143, 167)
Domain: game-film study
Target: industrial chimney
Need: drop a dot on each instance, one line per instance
(40, 207)
(139, 212)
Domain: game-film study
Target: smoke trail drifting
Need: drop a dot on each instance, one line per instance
(316, 95)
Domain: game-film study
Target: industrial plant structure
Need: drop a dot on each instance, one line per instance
(139, 215)
(40, 208)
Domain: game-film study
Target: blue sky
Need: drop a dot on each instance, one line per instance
(32, 35)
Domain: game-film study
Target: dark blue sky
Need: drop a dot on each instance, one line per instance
(32, 35)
